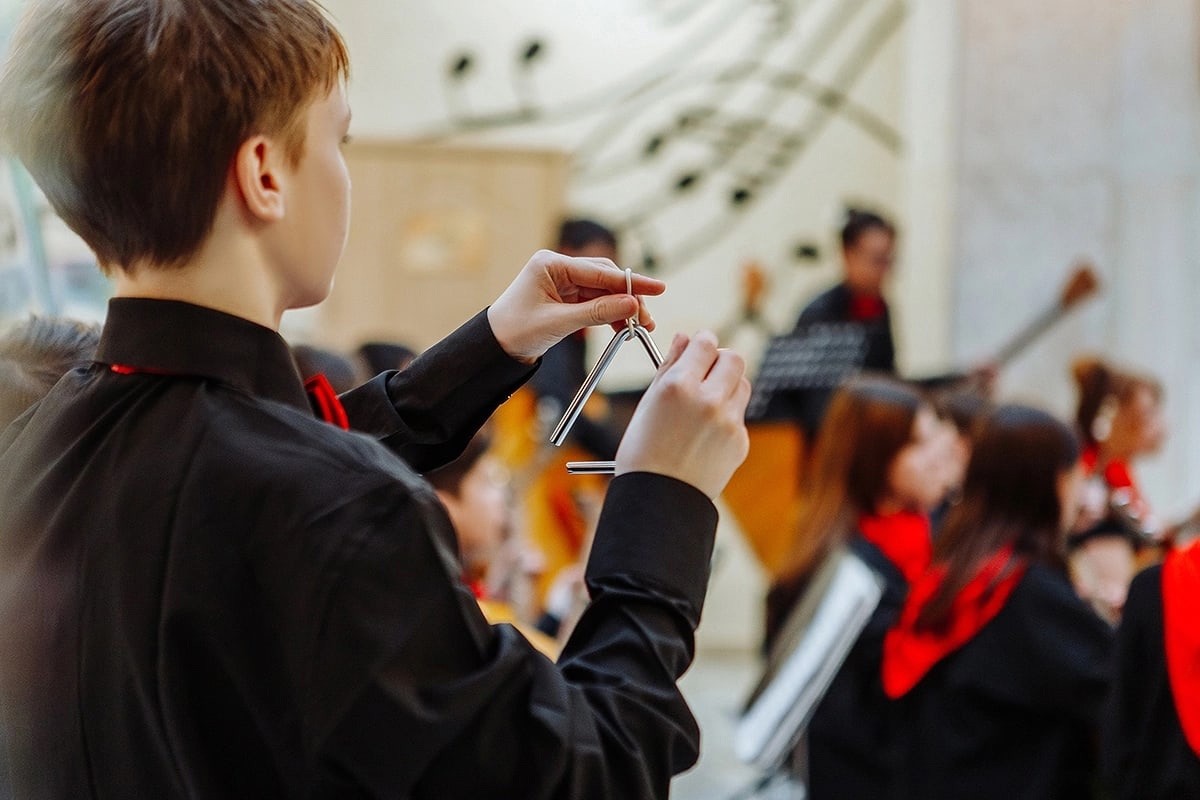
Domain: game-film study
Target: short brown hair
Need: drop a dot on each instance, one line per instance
(129, 113)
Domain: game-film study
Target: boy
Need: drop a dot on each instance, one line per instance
(205, 591)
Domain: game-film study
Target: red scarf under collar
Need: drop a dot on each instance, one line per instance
(909, 654)
(1181, 613)
(325, 401)
(904, 538)
(1116, 474)
(321, 395)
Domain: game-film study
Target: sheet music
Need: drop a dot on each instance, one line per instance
(821, 356)
(814, 643)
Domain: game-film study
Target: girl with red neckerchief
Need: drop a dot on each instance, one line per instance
(998, 669)
(1120, 420)
(875, 474)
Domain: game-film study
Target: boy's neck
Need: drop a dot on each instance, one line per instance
(228, 273)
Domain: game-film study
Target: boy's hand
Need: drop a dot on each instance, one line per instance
(556, 295)
(690, 424)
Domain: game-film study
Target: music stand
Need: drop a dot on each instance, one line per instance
(815, 640)
(816, 358)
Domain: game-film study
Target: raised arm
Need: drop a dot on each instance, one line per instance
(428, 412)
(445, 706)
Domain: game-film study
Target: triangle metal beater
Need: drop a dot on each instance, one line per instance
(632, 330)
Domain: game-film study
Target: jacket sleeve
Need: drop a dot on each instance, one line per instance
(428, 412)
(421, 698)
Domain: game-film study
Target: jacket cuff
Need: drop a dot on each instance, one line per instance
(656, 529)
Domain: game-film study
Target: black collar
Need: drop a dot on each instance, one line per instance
(175, 338)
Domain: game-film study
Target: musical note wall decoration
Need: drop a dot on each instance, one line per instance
(530, 55)
(705, 141)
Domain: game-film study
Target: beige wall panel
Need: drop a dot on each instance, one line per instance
(436, 234)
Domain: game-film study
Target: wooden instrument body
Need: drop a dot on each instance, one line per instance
(557, 512)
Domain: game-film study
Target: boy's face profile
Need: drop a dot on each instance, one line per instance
(869, 260)
(309, 238)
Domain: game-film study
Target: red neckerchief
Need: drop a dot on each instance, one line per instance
(1116, 472)
(1181, 610)
(321, 395)
(325, 401)
(125, 369)
(1117, 475)
(476, 588)
(904, 538)
(1089, 457)
(908, 654)
(866, 307)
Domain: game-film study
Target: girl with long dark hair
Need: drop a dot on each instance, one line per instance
(999, 668)
(869, 488)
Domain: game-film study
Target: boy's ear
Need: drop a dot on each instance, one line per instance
(258, 172)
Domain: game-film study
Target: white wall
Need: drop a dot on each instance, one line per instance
(923, 294)
(595, 53)
(1079, 136)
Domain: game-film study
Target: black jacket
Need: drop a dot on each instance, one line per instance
(1145, 753)
(208, 593)
(833, 305)
(807, 406)
(1015, 712)
(851, 739)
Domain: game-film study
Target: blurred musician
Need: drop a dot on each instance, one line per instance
(870, 489)
(999, 670)
(1120, 420)
(1151, 742)
(868, 254)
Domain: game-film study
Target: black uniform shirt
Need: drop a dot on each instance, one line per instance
(206, 592)
(1015, 712)
(833, 305)
(1146, 755)
(807, 406)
